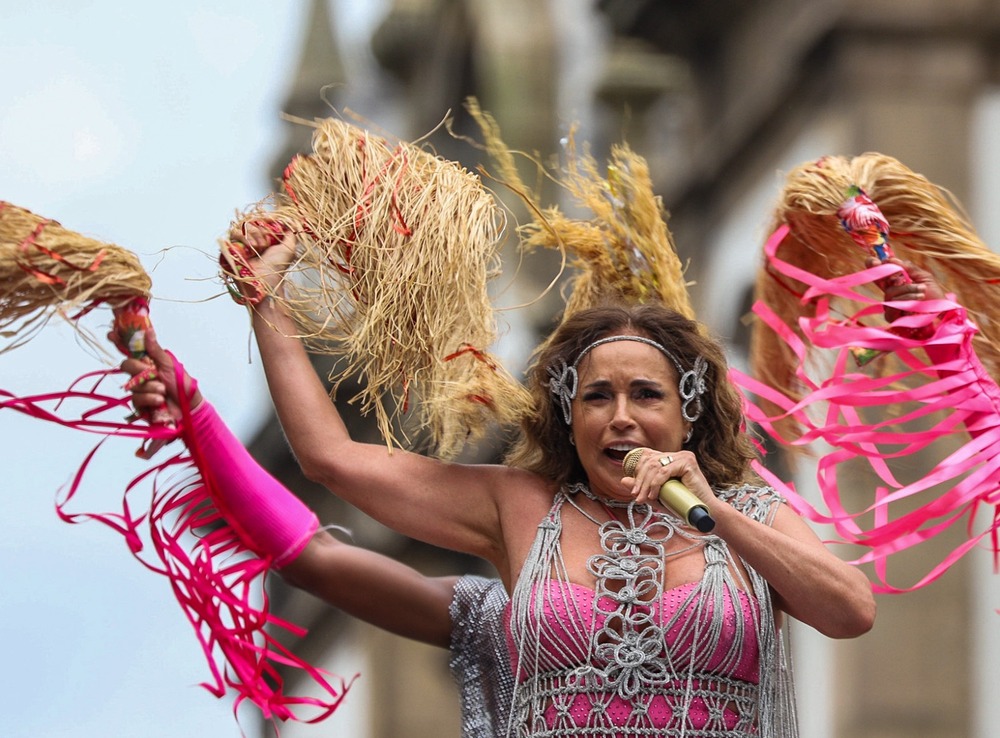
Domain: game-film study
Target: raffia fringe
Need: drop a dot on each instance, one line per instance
(624, 251)
(396, 249)
(46, 270)
(928, 228)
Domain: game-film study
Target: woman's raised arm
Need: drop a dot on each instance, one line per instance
(450, 505)
(273, 522)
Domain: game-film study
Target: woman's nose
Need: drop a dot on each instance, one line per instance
(622, 417)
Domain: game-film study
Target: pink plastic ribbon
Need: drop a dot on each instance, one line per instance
(178, 533)
(941, 378)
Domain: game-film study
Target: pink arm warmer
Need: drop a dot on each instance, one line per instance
(267, 516)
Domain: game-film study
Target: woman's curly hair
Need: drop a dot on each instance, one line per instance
(719, 439)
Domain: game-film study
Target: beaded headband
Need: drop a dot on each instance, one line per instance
(563, 382)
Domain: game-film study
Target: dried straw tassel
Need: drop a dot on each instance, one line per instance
(927, 228)
(46, 269)
(396, 248)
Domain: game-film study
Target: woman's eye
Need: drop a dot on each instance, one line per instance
(648, 393)
(594, 396)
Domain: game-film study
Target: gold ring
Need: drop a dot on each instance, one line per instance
(666, 460)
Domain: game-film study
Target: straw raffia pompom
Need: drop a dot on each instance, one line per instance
(395, 250)
(46, 269)
(623, 251)
(927, 228)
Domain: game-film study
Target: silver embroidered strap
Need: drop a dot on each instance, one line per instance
(563, 382)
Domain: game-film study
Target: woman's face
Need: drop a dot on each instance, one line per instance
(626, 397)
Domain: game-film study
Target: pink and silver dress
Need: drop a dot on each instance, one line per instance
(631, 658)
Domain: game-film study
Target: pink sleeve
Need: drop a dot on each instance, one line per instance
(267, 516)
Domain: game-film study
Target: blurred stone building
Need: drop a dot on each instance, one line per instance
(721, 96)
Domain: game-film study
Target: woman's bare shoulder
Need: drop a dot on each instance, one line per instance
(524, 494)
(521, 483)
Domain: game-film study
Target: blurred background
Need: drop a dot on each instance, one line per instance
(149, 127)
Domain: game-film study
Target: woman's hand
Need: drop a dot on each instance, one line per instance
(923, 286)
(656, 467)
(254, 259)
(154, 380)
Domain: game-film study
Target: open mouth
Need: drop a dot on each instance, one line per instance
(617, 453)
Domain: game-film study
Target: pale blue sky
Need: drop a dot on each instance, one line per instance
(145, 125)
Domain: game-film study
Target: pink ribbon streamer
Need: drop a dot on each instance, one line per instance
(941, 377)
(179, 533)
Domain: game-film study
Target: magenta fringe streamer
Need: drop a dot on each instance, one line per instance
(942, 390)
(177, 532)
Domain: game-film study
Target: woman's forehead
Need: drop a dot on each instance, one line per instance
(626, 358)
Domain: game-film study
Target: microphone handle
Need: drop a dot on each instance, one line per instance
(684, 502)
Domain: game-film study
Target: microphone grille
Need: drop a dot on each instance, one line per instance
(631, 461)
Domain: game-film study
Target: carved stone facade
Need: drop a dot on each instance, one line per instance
(718, 95)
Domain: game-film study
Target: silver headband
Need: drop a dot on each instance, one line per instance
(563, 382)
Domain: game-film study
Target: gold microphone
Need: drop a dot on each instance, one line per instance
(674, 495)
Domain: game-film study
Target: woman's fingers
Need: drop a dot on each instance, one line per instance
(655, 468)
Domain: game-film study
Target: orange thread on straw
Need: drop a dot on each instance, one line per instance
(483, 400)
(286, 175)
(400, 226)
(30, 240)
(406, 394)
(41, 276)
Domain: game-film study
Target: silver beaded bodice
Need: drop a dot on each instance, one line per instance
(632, 666)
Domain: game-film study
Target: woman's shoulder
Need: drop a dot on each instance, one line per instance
(521, 495)
(517, 483)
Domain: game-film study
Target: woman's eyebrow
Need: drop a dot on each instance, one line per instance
(638, 382)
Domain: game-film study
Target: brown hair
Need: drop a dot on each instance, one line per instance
(719, 440)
